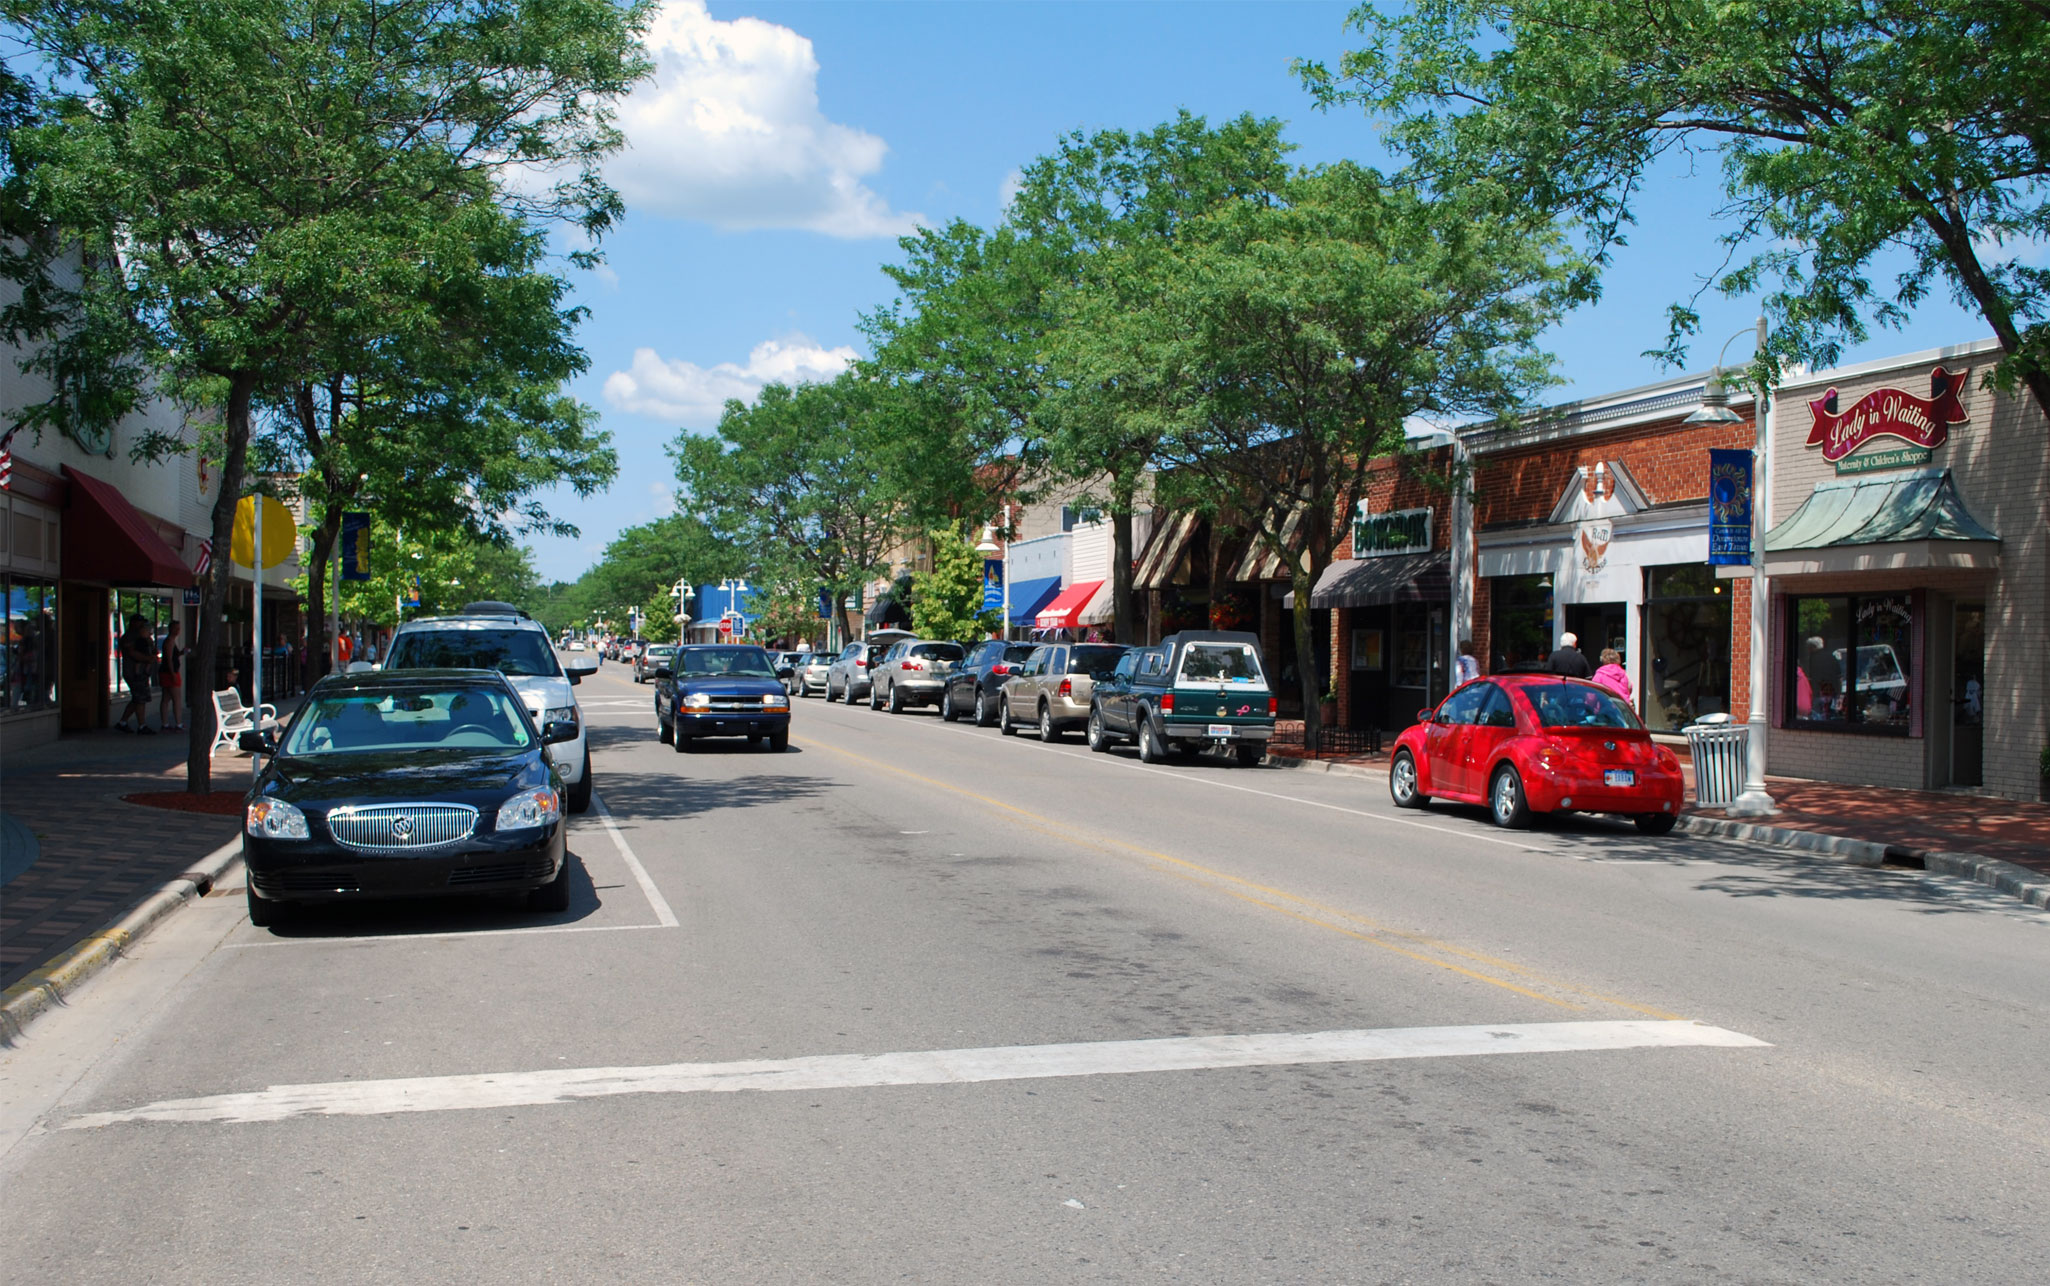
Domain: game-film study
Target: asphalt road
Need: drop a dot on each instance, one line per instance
(916, 1002)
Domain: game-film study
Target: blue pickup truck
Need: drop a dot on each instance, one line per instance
(1196, 689)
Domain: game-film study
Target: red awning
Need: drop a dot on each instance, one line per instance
(106, 540)
(1067, 607)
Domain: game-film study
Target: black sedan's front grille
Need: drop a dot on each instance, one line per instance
(402, 826)
(500, 872)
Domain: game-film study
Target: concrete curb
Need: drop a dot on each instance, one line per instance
(2007, 877)
(49, 986)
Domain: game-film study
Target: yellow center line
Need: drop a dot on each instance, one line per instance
(1244, 890)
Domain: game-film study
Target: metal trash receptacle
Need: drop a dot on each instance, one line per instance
(1718, 748)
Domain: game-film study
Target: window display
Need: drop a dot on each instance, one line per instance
(1519, 622)
(1849, 662)
(1687, 646)
(29, 679)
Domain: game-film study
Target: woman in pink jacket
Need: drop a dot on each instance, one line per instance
(1612, 675)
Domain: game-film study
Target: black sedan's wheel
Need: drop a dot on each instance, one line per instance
(554, 895)
(983, 717)
(1004, 724)
(263, 914)
(580, 793)
(1506, 803)
(1150, 749)
(1655, 823)
(947, 714)
(1099, 740)
(1403, 782)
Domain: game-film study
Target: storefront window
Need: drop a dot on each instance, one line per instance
(30, 654)
(1519, 622)
(1412, 646)
(1849, 662)
(1687, 646)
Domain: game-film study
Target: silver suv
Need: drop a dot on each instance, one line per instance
(499, 636)
(912, 673)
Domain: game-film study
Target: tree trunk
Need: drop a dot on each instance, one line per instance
(1124, 622)
(840, 615)
(213, 599)
(1306, 655)
(324, 538)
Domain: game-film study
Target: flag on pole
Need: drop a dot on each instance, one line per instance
(7, 459)
(205, 559)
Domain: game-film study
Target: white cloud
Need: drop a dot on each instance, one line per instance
(729, 131)
(692, 395)
(1007, 191)
(604, 273)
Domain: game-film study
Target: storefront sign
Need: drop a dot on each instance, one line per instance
(1729, 508)
(355, 546)
(1406, 531)
(1889, 412)
(1592, 542)
(1891, 458)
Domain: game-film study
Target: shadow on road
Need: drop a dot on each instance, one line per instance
(439, 915)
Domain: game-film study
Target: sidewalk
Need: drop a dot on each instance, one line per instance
(95, 856)
(1910, 821)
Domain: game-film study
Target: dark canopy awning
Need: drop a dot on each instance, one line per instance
(1370, 582)
(108, 541)
(886, 611)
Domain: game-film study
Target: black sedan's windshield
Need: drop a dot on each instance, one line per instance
(519, 652)
(730, 662)
(410, 719)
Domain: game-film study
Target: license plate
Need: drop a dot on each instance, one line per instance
(1619, 777)
(1219, 730)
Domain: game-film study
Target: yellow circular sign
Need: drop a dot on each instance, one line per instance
(280, 532)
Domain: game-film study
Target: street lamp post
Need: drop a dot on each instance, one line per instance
(1755, 801)
(734, 588)
(987, 546)
(682, 593)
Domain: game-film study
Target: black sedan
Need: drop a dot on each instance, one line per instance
(721, 690)
(406, 783)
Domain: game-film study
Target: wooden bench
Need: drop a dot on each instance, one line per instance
(232, 719)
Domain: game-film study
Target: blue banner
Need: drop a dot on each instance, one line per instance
(1729, 508)
(355, 551)
(992, 584)
(825, 604)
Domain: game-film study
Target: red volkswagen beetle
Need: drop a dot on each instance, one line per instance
(1524, 743)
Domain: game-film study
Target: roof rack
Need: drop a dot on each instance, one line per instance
(489, 608)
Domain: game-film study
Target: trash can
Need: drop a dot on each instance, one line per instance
(1719, 748)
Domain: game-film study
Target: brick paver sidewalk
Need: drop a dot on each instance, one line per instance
(97, 856)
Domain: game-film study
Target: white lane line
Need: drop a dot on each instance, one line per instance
(926, 1067)
(663, 915)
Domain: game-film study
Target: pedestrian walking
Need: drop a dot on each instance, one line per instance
(1612, 675)
(1468, 666)
(1569, 660)
(138, 657)
(171, 679)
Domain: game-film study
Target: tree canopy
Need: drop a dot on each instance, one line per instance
(1846, 128)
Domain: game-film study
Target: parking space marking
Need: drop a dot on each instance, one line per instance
(923, 1067)
(665, 918)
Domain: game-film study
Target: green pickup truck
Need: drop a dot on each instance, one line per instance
(1195, 689)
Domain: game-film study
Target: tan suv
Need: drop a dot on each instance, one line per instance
(1053, 689)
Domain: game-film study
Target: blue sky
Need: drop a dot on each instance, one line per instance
(782, 146)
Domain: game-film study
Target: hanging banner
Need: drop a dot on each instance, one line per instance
(992, 584)
(1729, 508)
(355, 552)
(280, 532)
(1889, 413)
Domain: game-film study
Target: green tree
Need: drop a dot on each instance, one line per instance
(273, 172)
(1847, 128)
(802, 478)
(638, 569)
(1283, 343)
(451, 568)
(946, 602)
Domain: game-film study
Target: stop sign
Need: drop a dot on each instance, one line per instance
(726, 627)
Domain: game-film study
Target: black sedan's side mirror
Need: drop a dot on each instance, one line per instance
(557, 730)
(257, 743)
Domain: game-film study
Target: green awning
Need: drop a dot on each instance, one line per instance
(1923, 505)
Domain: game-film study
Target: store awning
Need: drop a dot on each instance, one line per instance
(1164, 551)
(1259, 562)
(1370, 582)
(885, 611)
(1029, 596)
(1066, 608)
(1102, 609)
(107, 540)
(1901, 520)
